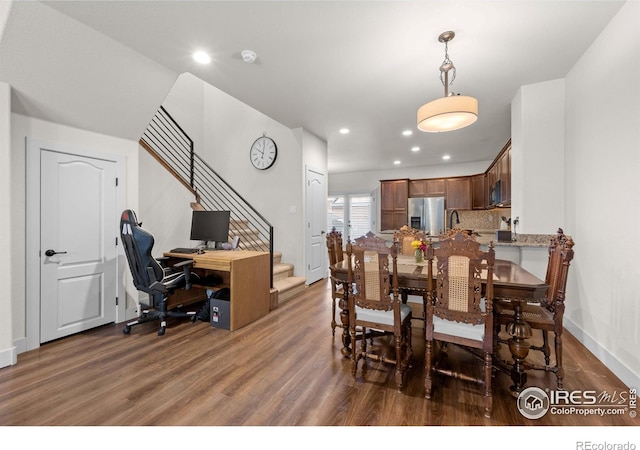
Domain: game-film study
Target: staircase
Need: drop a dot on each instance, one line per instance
(285, 284)
(165, 140)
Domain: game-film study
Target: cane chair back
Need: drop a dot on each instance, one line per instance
(374, 304)
(458, 311)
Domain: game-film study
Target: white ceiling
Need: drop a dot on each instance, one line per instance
(364, 65)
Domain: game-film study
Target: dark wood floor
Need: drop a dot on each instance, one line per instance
(285, 369)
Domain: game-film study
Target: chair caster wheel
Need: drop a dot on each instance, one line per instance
(160, 331)
(126, 330)
(193, 319)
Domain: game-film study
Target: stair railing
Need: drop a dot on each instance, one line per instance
(170, 145)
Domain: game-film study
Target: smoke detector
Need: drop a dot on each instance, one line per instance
(248, 56)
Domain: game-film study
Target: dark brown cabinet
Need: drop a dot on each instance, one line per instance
(478, 191)
(458, 193)
(428, 187)
(394, 197)
(499, 178)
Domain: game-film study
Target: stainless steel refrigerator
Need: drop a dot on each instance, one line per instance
(427, 214)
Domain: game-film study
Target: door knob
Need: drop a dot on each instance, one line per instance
(53, 252)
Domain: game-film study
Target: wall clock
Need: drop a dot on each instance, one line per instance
(263, 153)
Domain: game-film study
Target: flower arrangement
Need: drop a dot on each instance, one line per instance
(419, 246)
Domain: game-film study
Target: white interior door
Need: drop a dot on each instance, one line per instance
(316, 224)
(78, 230)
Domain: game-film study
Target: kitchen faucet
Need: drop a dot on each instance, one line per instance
(451, 218)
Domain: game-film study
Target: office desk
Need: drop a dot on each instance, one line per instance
(245, 273)
(510, 281)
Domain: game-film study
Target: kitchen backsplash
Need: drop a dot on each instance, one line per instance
(481, 220)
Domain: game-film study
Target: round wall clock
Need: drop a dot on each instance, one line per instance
(263, 153)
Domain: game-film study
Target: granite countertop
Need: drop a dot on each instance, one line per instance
(486, 236)
(521, 240)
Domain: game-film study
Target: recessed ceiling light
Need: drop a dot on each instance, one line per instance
(407, 133)
(202, 57)
(446, 157)
(344, 130)
(396, 162)
(415, 149)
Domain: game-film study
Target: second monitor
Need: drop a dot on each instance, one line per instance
(210, 226)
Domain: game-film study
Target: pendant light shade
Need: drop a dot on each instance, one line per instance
(450, 112)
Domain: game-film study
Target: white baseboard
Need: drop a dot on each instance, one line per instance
(628, 377)
(8, 357)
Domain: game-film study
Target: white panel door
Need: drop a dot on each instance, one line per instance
(78, 230)
(316, 223)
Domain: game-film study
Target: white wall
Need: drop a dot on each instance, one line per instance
(8, 351)
(223, 130)
(537, 158)
(603, 194)
(21, 128)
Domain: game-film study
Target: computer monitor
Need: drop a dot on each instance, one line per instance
(210, 227)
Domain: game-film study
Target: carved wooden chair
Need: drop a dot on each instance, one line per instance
(457, 312)
(374, 304)
(405, 236)
(548, 314)
(336, 254)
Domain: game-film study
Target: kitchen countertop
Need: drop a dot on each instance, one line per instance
(521, 240)
(486, 236)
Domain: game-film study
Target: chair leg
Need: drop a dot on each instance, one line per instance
(333, 316)
(488, 399)
(427, 369)
(545, 348)
(399, 361)
(559, 367)
(354, 352)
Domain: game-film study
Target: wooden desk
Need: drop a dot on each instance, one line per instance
(510, 281)
(245, 273)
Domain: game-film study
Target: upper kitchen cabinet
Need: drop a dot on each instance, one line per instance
(458, 193)
(479, 191)
(499, 178)
(432, 187)
(394, 197)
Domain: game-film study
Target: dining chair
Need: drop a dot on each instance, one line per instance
(336, 254)
(375, 305)
(405, 236)
(457, 311)
(547, 315)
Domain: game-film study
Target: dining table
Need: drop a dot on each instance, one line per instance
(511, 283)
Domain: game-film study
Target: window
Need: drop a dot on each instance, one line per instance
(357, 216)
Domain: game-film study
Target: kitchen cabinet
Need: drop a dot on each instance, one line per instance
(498, 182)
(428, 187)
(478, 191)
(458, 193)
(394, 197)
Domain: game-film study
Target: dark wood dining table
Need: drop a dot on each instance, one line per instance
(511, 283)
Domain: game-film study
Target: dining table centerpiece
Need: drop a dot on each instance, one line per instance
(419, 247)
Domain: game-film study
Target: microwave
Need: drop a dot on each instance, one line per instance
(494, 193)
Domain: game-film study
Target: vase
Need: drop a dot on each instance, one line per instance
(419, 256)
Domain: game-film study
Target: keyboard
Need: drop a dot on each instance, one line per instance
(184, 250)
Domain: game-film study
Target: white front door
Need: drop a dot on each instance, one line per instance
(78, 230)
(316, 224)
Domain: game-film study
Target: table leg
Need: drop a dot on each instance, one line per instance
(519, 346)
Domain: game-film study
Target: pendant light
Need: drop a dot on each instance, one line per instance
(452, 111)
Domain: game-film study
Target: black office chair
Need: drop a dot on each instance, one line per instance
(150, 277)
